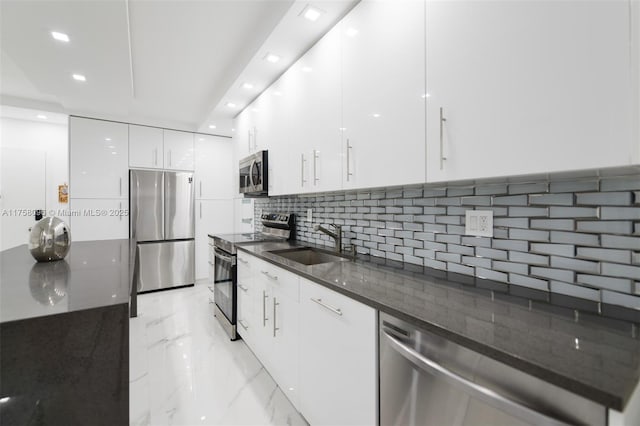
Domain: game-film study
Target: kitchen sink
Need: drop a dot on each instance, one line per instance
(309, 256)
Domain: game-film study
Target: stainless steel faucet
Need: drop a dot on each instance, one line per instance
(337, 235)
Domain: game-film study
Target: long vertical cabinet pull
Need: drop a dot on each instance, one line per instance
(120, 211)
(315, 167)
(275, 303)
(155, 157)
(349, 174)
(200, 209)
(249, 140)
(120, 187)
(302, 179)
(255, 138)
(169, 158)
(442, 120)
(264, 308)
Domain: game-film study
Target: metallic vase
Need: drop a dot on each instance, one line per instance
(50, 239)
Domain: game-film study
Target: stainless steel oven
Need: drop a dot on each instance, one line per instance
(276, 227)
(254, 178)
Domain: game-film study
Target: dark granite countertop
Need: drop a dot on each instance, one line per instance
(590, 349)
(93, 274)
(64, 336)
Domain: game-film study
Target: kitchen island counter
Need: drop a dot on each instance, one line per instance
(64, 335)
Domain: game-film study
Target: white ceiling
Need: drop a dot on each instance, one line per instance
(163, 62)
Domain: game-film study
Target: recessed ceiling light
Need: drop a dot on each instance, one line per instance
(60, 36)
(426, 95)
(79, 77)
(233, 130)
(272, 57)
(231, 105)
(311, 13)
(247, 86)
(42, 116)
(307, 69)
(212, 126)
(107, 139)
(276, 93)
(113, 152)
(375, 115)
(255, 110)
(352, 32)
(201, 139)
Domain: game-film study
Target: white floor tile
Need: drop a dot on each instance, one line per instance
(184, 370)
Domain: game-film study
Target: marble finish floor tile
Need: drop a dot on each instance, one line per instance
(184, 370)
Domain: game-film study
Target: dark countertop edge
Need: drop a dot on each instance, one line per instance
(58, 314)
(568, 383)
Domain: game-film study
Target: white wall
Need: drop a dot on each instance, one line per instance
(43, 139)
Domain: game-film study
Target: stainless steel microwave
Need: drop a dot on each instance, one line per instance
(253, 174)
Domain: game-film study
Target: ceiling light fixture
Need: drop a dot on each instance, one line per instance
(307, 69)
(42, 116)
(351, 32)
(375, 115)
(212, 126)
(60, 36)
(79, 77)
(272, 57)
(311, 13)
(231, 105)
(107, 139)
(247, 86)
(276, 93)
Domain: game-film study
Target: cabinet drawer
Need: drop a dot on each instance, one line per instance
(333, 304)
(284, 282)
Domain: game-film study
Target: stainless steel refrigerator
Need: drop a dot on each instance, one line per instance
(162, 222)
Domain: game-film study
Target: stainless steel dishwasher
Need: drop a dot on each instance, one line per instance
(428, 380)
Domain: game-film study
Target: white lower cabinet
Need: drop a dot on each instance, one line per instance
(99, 219)
(318, 345)
(268, 319)
(338, 371)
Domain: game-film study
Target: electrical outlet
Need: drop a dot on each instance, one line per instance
(309, 215)
(479, 223)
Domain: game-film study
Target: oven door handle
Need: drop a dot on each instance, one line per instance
(472, 389)
(228, 259)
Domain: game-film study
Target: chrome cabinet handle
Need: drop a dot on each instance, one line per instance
(200, 188)
(210, 289)
(349, 147)
(249, 140)
(472, 389)
(442, 120)
(315, 166)
(255, 138)
(324, 305)
(210, 263)
(246, 262)
(200, 209)
(241, 322)
(120, 211)
(243, 288)
(264, 308)
(275, 303)
(268, 275)
(302, 179)
(155, 157)
(120, 186)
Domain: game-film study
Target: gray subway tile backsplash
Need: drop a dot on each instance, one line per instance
(574, 237)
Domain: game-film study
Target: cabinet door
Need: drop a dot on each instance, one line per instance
(338, 371)
(248, 299)
(314, 110)
(212, 217)
(527, 87)
(243, 212)
(244, 126)
(214, 167)
(98, 153)
(383, 63)
(146, 147)
(285, 324)
(178, 150)
(98, 219)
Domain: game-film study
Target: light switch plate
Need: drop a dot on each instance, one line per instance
(309, 215)
(479, 223)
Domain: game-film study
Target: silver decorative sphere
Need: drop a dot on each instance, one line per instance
(50, 239)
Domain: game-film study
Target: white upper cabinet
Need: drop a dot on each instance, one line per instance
(383, 63)
(146, 147)
(282, 172)
(99, 166)
(517, 87)
(178, 150)
(214, 167)
(314, 106)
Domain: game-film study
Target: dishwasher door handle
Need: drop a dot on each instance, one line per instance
(470, 388)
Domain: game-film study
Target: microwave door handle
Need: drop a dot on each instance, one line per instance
(253, 164)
